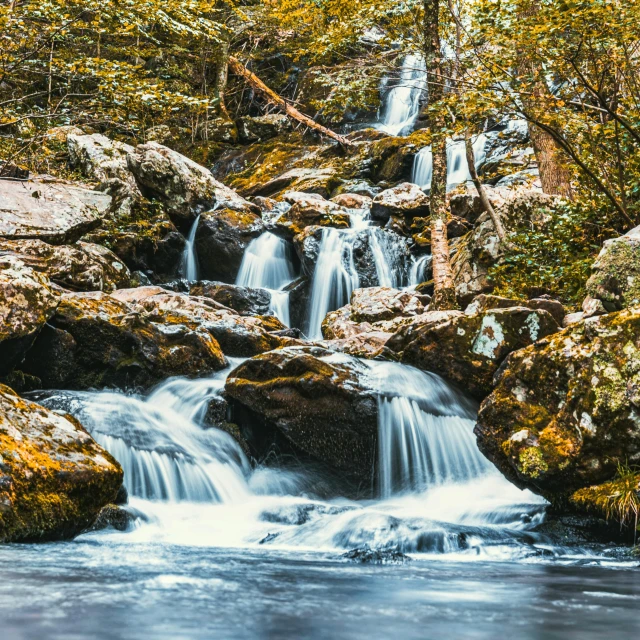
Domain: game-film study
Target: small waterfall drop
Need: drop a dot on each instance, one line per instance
(418, 270)
(334, 278)
(267, 264)
(457, 167)
(185, 462)
(402, 102)
(189, 256)
(425, 432)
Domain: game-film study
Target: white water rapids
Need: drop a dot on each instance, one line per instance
(193, 485)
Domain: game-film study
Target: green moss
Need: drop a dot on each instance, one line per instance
(532, 463)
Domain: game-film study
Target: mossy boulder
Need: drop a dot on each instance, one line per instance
(311, 402)
(95, 340)
(564, 413)
(27, 302)
(237, 335)
(308, 209)
(54, 479)
(468, 349)
(615, 280)
(184, 187)
(82, 266)
(221, 240)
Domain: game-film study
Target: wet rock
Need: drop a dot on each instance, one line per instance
(115, 517)
(353, 201)
(383, 303)
(183, 186)
(367, 555)
(271, 211)
(95, 340)
(27, 302)
(257, 129)
(468, 349)
(80, 267)
(237, 335)
(357, 187)
(321, 181)
(245, 300)
(54, 479)
(316, 401)
(221, 240)
(406, 199)
(564, 413)
(49, 210)
(150, 244)
(615, 280)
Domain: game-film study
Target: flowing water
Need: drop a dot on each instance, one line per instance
(222, 550)
(457, 166)
(267, 264)
(190, 256)
(402, 101)
(335, 275)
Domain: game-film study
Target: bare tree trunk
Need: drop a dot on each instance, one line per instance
(239, 69)
(555, 175)
(444, 294)
(222, 73)
(484, 198)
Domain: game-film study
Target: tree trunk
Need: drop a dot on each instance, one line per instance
(444, 294)
(484, 198)
(239, 69)
(555, 175)
(222, 72)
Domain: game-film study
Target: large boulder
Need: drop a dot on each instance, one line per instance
(101, 158)
(27, 302)
(82, 266)
(615, 280)
(308, 209)
(468, 349)
(54, 479)
(237, 335)
(221, 240)
(477, 251)
(407, 199)
(49, 210)
(95, 340)
(247, 301)
(183, 186)
(371, 318)
(564, 414)
(313, 401)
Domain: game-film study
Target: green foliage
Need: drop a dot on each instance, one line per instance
(115, 66)
(555, 257)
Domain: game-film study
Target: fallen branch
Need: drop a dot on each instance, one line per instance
(239, 69)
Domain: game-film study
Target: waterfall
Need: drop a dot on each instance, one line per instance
(402, 102)
(457, 167)
(189, 256)
(185, 462)
(267, 264)
(334, 277)
(418, 270)
(425, 432)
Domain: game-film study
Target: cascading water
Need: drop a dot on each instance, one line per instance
(335, 274)
(402, 102)
(189, 256)
(418, 270)
(457, 167)
(425, 432)
(267, 264)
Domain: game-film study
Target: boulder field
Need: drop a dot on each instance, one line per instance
(90, 299)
